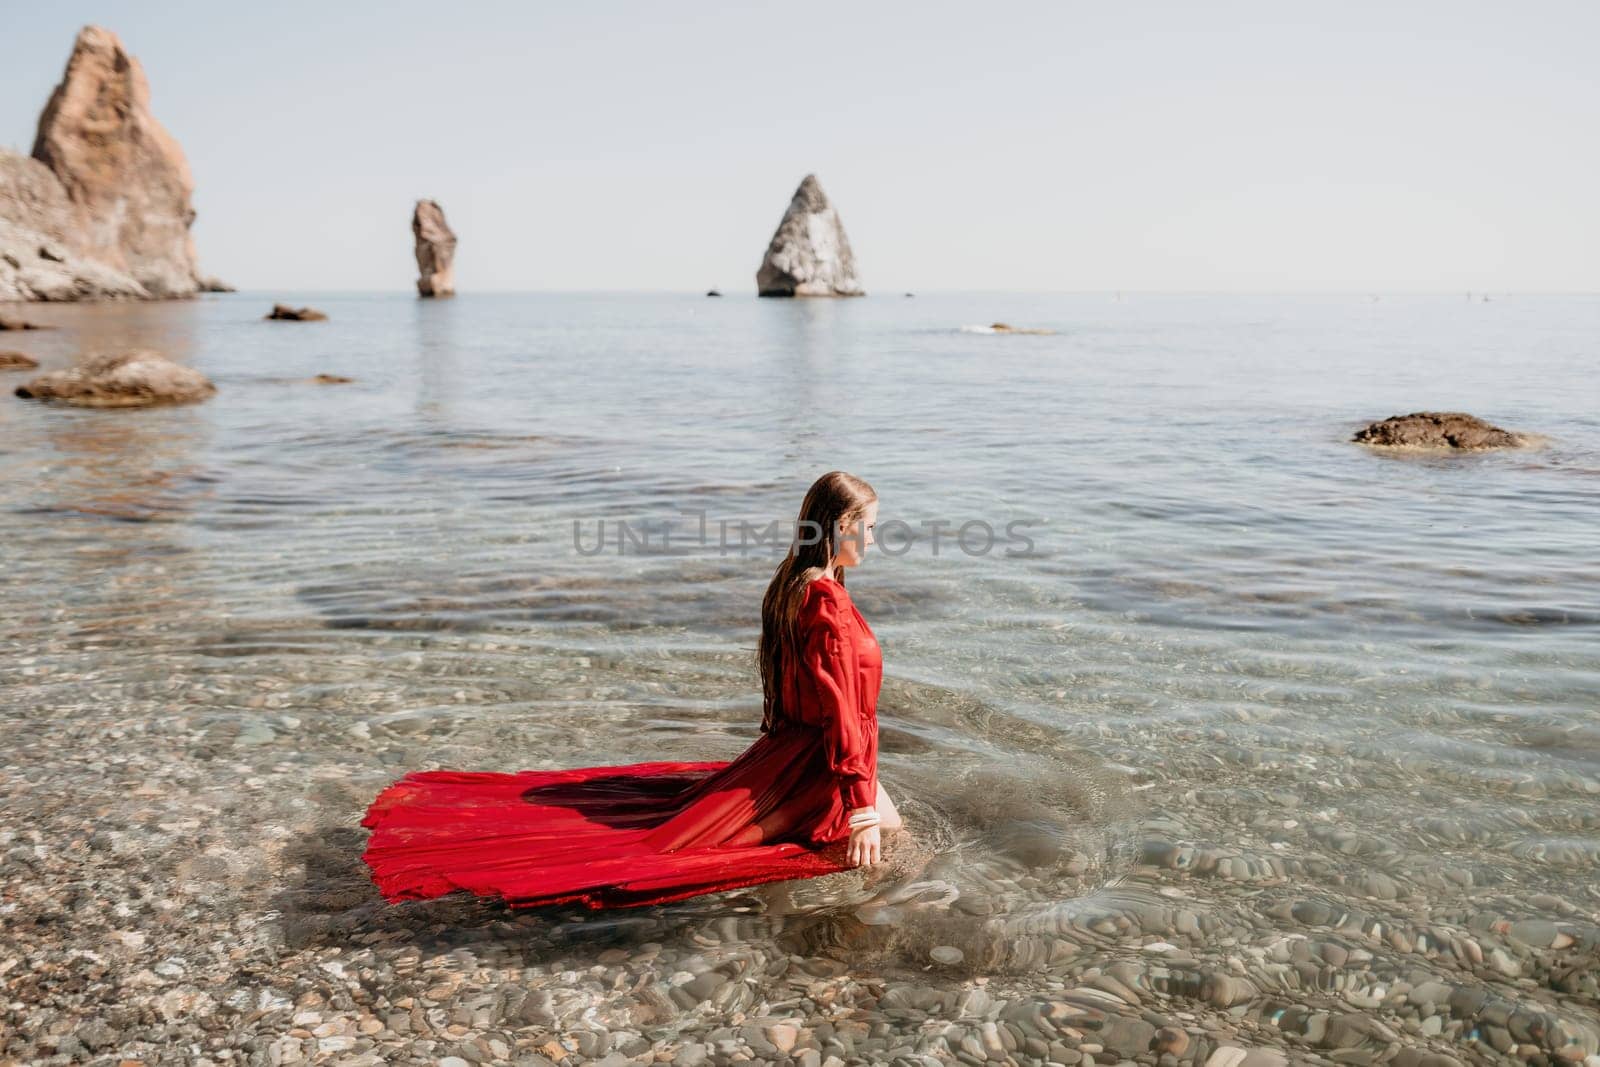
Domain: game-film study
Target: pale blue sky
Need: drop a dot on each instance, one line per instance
(1048, 146)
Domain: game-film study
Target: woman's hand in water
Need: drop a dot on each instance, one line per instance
(865, 846)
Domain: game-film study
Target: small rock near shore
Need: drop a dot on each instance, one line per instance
(17, 361)
(285, 313)
(121, 380)
(8, 323)
(331, 379)
(1437, 429)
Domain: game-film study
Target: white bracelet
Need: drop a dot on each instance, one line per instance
(863, 819)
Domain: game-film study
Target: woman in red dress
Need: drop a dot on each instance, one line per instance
(803, 800)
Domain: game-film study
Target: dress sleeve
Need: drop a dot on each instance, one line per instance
(829, 657)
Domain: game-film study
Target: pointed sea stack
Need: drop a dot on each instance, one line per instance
(126, 181)
(809, 255)
(436, 250)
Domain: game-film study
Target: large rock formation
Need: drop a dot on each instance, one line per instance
(1438, 429)
(809, 255)
(436, 250)
(121, 380)
(39, 252)
(103, 208)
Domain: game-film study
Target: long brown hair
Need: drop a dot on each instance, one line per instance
(833, 498)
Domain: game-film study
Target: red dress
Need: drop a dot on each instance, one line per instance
(645, 833)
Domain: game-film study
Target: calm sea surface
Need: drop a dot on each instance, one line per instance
(1316, 721)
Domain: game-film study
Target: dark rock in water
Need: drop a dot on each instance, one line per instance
(211, 284)
(713, 292)
(7, 323)
(809, 255)
(122, 380)
(1438, 429)
(286, 313)
(10, 360)
(436, 250)
(911, 294)
(331, 379)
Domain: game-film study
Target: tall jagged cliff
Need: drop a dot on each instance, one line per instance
(103, 209)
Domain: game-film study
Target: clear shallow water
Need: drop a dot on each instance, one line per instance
(1255, 694)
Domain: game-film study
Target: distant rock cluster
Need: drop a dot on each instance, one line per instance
(809, 255)
(102, 209)
(103, 206)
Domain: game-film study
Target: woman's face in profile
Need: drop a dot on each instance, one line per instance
(855, 537)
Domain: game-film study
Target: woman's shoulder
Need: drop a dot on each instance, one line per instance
(823, 597)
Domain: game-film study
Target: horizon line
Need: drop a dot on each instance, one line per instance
(901, 293)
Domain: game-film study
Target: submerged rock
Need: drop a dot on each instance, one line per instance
(1438, 429)
(436, 250)
(285, 313)
(121, 380)
(8, 323)
(1003, 327)
(118, 218)
(11, 360)
(809, 255)
(331, 379)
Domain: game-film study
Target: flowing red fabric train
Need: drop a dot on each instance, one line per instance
(648, 833)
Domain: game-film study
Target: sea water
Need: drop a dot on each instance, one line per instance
(1186, 695)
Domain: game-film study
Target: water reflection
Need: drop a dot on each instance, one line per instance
(144, 468)
(438, 353)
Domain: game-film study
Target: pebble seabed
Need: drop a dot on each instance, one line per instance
(202, 902)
